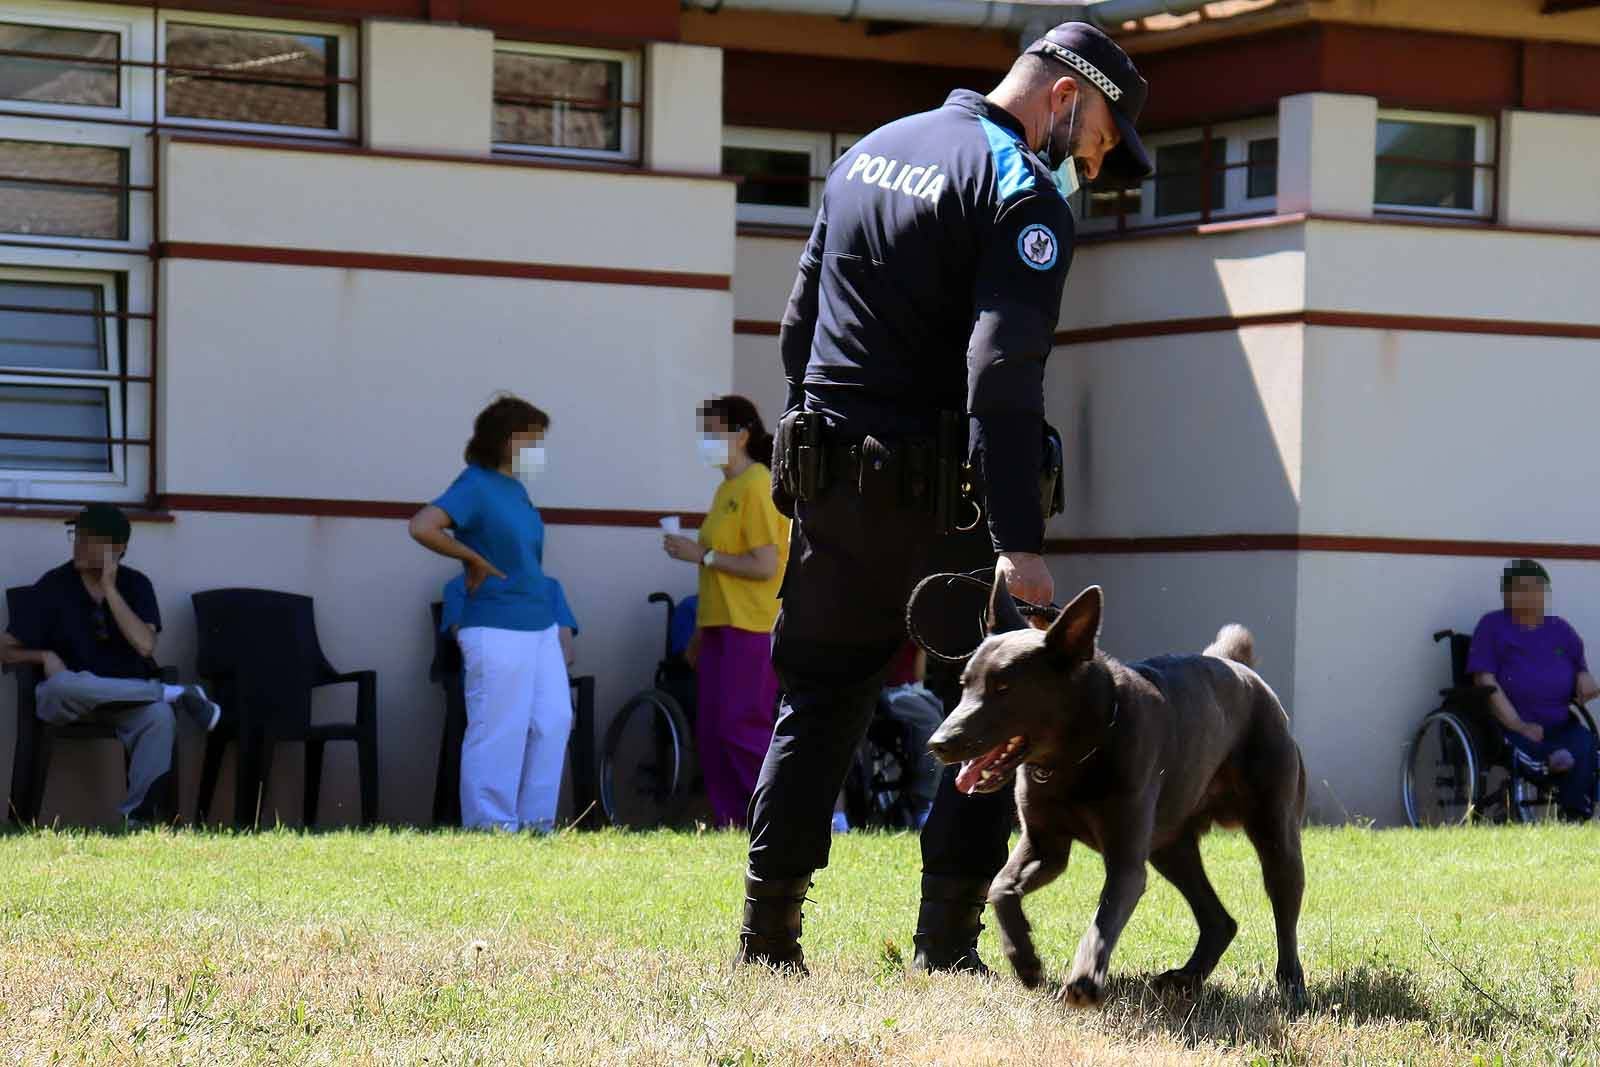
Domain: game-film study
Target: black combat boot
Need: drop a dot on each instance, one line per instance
(948, 926)
(770, 935)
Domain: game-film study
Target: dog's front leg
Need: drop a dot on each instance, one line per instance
(1036, 861)
(1126, 852)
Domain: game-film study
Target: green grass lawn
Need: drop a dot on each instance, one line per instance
(403, 947)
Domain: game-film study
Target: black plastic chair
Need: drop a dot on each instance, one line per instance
(36, 740)
(446, 672)
(260, 659)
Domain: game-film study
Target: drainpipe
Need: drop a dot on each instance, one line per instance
(1030, 20)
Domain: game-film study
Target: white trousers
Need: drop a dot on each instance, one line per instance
(519, 715)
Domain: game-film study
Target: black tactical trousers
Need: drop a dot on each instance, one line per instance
(852, 566)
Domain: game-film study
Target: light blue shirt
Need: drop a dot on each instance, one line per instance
(494, 517)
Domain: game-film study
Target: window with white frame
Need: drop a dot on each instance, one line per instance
(62, 379)
(1219, 171)
(781, 172)
(229, 73)
(77, 65)
(183, 68)
(81, 86)
(581, 103)
(1434, 164)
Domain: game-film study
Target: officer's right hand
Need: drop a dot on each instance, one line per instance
(1026, 577)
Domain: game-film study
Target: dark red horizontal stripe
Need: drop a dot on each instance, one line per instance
(483, 268)
(398, 509)
(60, 511)
(1354, 320)
(1288, 542)
(1167, 327)
(1438, 324)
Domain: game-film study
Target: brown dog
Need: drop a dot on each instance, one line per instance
(1136, 761)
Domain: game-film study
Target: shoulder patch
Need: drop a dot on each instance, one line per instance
(1038, 247)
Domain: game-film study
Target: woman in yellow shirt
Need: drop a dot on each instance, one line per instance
(741, 551)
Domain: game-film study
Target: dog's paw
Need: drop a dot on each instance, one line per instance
(1029, 972)
(1177, 980)
(1292, 987)
(1083, 992)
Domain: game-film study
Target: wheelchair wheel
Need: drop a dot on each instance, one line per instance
(1442, 784)
(645, 762)
(1533, 802)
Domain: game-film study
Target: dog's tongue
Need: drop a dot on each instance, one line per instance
(971, 773)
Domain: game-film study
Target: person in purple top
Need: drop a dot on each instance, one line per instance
(1536, 665)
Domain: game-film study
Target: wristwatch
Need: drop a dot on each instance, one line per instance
(706, 560)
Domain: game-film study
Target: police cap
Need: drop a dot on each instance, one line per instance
(1090, 54)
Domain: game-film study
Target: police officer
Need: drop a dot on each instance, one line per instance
(927, 296)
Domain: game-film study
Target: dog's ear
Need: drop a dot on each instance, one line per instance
(1073, 634)
(1003, 614)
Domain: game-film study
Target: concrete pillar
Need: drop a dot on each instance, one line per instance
(1327, 149)
(1549, 169)
(427, 88)
(683, 108)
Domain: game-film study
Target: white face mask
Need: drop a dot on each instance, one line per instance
(529, 463)
(1065, 174)
(714, 451)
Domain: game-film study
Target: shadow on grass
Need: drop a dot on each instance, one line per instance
(1224, 1015)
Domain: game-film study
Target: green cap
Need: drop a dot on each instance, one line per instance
(103, 520)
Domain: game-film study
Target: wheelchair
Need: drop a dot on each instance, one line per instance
(649, 774)
(647, 767)
(1458, 766)
(892, 780)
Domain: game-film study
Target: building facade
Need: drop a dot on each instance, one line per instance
(263, 262)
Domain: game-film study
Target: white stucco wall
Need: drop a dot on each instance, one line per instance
(1325, 144)
(428, 88)
(683, 112)
(1245, 272)
(363, 384)
(448, 210)
(1433, 435)
(1551, 169)
(1191, 434)
(1441, 271)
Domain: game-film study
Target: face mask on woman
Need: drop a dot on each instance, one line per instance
(714, 451)
(529, 463)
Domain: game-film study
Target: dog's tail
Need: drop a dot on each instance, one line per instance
(1234, 642)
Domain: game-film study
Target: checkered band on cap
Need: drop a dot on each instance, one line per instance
(1088, 69)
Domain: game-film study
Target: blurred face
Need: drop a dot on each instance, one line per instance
(1527, 597)
(713, 428)
(89, 552)
(520, 440)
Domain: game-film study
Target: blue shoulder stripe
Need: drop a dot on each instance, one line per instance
(1012, 172)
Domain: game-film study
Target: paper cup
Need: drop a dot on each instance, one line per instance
(670, 524)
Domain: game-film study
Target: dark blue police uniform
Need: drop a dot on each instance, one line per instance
(932, 282)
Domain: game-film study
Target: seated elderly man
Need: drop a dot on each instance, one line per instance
(1536, 665)
(93, 632)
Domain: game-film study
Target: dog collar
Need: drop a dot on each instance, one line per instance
(1041, 775)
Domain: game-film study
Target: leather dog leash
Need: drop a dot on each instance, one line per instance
(936, 585)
